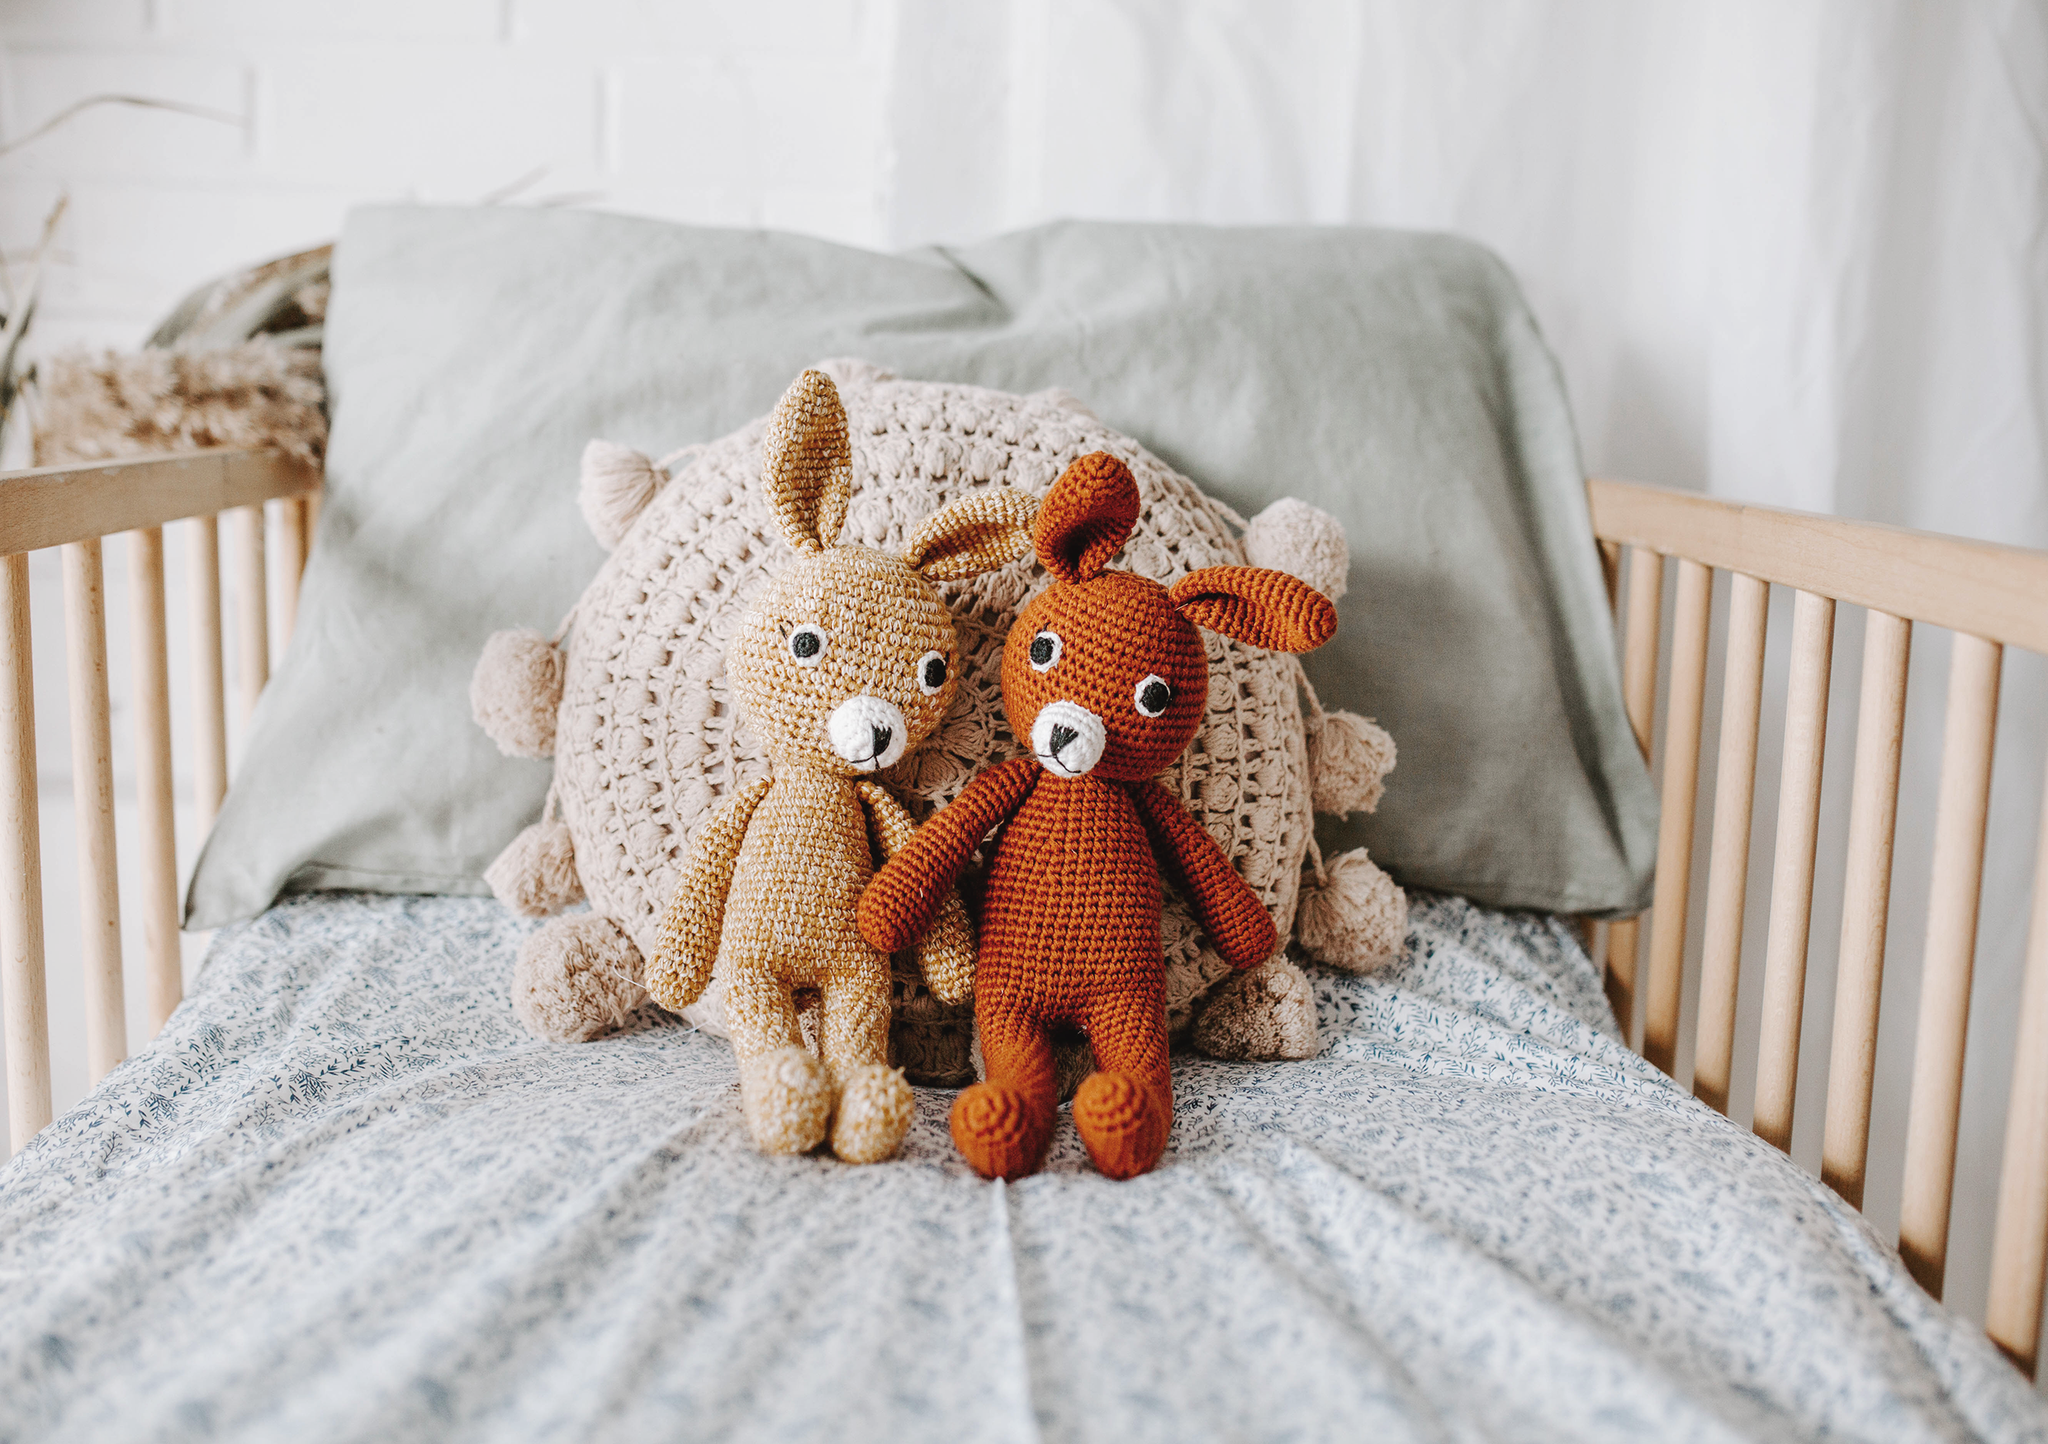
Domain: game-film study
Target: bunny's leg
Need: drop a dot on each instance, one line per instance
(875, 1104)
(1125, 1111)
(784, 1091)
(1003, 1125)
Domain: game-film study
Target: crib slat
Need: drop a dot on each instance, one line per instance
(1937, 1099)
(1742, 689)
(1639, 696)
(1866, 896)
(2019, 1239)
(1681, 786)
(1594, 932)
(291, 563)
(252, 608)
(1805, 750)
(149, 647)
(1639, 646)
(21, 870)
(209, 685)
(92, 792)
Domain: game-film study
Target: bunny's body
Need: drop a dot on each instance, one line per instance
(846, 662)
(1105, 673)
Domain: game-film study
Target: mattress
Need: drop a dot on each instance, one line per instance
(344, 1196)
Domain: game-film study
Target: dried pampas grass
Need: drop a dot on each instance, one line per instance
(96, 408)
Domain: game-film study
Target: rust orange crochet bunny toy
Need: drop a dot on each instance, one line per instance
(1104, 672)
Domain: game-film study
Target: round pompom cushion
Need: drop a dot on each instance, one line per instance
(647, 741)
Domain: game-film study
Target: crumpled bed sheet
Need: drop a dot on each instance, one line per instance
(344, 1196)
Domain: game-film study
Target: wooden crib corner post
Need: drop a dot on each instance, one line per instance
(22, 997)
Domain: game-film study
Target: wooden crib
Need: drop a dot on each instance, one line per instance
(1990, 596)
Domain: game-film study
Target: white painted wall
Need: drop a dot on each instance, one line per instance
(1793, 252)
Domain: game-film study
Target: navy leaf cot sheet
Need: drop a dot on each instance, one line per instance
(344, 1196)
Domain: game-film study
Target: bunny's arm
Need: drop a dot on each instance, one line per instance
(946, 955)
(687, 945)
(1236, 921)
(913, 885)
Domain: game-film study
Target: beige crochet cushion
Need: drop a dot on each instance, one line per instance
(647, 740)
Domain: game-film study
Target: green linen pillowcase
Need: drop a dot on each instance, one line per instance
(1397, 380)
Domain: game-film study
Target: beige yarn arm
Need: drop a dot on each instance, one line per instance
(946, 952)
(687, 945)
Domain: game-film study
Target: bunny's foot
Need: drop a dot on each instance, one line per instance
(1002, 1131)
(875, 1111)
(787, 1098)
(1124, 1122)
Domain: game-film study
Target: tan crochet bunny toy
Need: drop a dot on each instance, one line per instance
(846, 661)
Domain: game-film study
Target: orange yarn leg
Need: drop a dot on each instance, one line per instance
(1125, 1111)
(1003, 1126)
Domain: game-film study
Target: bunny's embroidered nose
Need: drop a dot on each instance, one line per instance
(1067, 738)
(868, 732)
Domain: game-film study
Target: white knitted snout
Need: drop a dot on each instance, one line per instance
(1077, 748)
(868, 732)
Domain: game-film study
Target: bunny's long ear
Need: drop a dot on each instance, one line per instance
(1086, 516)
(1257, 606)
(807, 463)
(976, 534)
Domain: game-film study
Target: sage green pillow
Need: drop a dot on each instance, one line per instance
(1394, 379)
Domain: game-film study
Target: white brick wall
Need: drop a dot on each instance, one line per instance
(755, 114)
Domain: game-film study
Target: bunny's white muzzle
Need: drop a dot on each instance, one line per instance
(1068, 738)
(868, 732)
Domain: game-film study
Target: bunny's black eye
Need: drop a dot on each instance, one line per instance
(807, 644)
(1152, 696)
(1045, 650)
(931, 673)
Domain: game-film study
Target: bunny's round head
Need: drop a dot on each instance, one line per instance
(1104, 671)
(848, 659)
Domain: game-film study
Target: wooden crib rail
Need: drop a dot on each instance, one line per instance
(75, 507)
(1991, 597)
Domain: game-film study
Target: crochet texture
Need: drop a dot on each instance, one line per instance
(650, 743)
(1104, 672)
(844, 663)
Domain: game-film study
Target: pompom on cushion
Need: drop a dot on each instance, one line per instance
(1292, 536)
(536, 876)
(1355, 917)
(1349, 757)
(515, 691)
(574, 980)
(616, 485)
